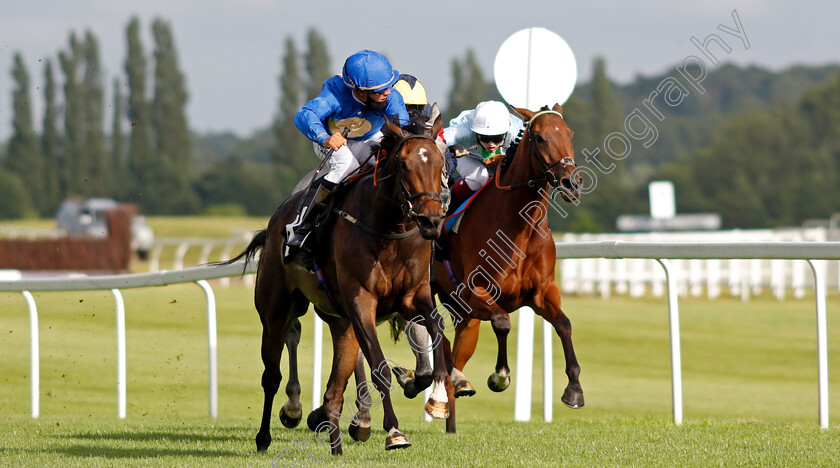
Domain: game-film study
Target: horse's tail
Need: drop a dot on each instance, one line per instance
(397, 325)
(257, 243)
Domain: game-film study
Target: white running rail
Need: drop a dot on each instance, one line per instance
(815, 253)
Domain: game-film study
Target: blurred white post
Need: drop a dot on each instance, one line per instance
(548, 377)
(317, 355)
(121, 379)
(524, 365)
(674, 325)
(212, 342)
(428, 392)
(34, 355)
(818, 266)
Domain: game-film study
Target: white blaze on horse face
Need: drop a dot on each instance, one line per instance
(423, 156)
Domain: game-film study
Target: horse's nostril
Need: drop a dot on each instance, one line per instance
(567, 183)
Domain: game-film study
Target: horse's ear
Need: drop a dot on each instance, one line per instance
(395, 129)
(435, 121)
(557, 108)
(525, 113)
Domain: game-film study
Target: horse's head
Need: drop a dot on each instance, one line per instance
(419, 164)
(548, 141)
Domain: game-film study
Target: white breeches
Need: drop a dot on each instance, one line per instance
(347, 158)
(474, 172)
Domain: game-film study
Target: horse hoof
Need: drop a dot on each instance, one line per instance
(263, 441)
(497, 383)
(315, 418)
(404, 376)
(410, 391)
(464, 388)
(422, 381)
(572, 398)
(359, 433)
(437, 409)
(289, 416)
(396, 440)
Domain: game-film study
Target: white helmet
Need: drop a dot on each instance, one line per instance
(490, 118)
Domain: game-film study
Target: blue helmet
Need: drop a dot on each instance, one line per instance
(367, 70)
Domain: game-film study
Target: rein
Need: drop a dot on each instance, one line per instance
(548, 177)
(404, 200)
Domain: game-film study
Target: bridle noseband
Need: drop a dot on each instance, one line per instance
(405, 196)
(548, 177)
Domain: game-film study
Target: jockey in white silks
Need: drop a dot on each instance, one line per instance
(476, 137)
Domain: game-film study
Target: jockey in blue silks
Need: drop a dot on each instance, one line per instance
(360, 99)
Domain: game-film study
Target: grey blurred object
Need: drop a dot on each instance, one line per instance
(86, 217)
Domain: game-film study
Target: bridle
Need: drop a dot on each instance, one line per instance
(405, 197)
(548, 176)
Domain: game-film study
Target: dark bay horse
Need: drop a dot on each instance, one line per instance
(374, 261)
(503, 255)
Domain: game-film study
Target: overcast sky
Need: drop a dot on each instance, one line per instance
(230, 50)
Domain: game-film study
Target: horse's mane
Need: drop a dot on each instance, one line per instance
(416, 125)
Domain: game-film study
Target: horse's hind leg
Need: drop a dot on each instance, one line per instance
(292, 412)
(271, 350)
(550, 311)
(466, 339)
(360, 427)
(278, 310)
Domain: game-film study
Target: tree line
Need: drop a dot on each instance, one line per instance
(760, 148)
(73, 156)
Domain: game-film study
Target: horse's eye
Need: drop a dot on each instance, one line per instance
(539, 139)
(403, 165)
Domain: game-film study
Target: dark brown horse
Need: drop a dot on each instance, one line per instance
(503, 255)
(375, 260)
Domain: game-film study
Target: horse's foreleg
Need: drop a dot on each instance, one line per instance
(326, 417)
(364, 325)
(360, 427)
(292, 412)
(438, 405)
(414, 382)
(551, 311)
(500, 380)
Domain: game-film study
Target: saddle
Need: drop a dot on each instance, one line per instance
(323, 224)
(456, 212)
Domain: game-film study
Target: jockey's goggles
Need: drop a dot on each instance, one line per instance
(491, 138)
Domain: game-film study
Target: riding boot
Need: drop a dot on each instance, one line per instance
(298, 230)
(460, 193)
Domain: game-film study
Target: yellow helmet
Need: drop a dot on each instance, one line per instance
(412, 91)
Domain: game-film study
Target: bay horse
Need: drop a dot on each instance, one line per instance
(503, 255)
(374, 260)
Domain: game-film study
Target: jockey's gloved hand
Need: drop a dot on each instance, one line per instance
(457, 150)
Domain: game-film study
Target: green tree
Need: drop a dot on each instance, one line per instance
(118, 171)
(171, 131)
(14, 203)
(469, 86)
(317, 63)
(72, 178)
(23, 156)
(141, 163)
(51, 146)
(593, 120)
(96, 173)
(606, 110)
(292, 153)
(821, 107)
